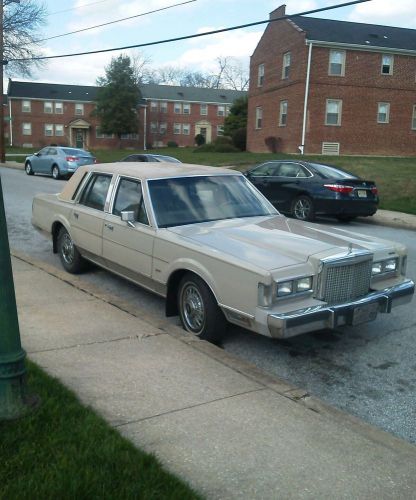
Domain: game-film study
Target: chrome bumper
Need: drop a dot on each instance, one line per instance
(349, 313)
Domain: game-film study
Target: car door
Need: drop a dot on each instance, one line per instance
(87, 217)
(263, 178)
(40, 160)
(128, 248)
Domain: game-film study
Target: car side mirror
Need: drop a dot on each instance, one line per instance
(38, 154)
(128, 216)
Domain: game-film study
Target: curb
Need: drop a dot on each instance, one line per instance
(271, 382)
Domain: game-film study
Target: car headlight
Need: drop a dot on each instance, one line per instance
(385, 266)
(295, 286)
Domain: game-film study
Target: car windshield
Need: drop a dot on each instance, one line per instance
(189, 200)
(76, 152)
(329, 172)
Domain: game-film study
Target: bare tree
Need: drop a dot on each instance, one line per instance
(143, 72)
(233, 73)
(22, 23)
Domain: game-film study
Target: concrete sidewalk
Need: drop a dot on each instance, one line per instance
(217, 422)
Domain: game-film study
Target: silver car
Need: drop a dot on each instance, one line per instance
(58, 161)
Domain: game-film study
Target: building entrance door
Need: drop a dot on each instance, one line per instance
(79, 138)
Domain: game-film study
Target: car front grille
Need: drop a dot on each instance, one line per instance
(345, 280)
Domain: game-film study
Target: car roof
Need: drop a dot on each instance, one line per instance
(143, 171)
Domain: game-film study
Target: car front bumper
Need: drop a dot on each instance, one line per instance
(348, 313)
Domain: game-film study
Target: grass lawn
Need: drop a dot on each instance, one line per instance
(63, 450)
(395, 176)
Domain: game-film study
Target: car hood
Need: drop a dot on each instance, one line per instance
(275, 242)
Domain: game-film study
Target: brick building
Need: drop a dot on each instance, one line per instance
(41, 113)
(333, 87)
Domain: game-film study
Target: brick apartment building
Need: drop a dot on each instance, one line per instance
(41, 113)
(333, 87)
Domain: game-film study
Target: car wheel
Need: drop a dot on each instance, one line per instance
(302, 208)
(28, 168)
(198, 309)
(68, 253)
(56, 174)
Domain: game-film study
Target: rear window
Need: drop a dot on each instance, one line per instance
(329, 172)
(76, 152)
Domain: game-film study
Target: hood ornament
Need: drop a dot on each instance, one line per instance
(349, 248)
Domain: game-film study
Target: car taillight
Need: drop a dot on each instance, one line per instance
(374, 190)
(339, 188)
(72, 158)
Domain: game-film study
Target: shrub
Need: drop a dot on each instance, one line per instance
(223, 139)
(172, 144)
(199, 139)
(225, 148)
(205, 148)
(273, 143)
(240, 138)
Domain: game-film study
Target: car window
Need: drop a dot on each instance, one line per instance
(76, 152)
(289, 169)
(43, 151)
(328, 172)
(129, 197)
(268, 168)
(52, 152)
(95, 192)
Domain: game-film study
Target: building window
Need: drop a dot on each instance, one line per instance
(204, 109)
(221, 110)
(176, 128)
(283, 114)
(387, 64)
(220, 129)
(101, 135)
(79, 108)
(163, 106)
(286, 65)
(59, 108)
(153, 106)
(336, 63)
(26, 106)
(163, 127)
(153, 127)
(26, 128)
(177, 108)
(186, 129)
(48, 129)
(260, 75)
(59, 130)
(47, 107)
(333, 112)
(259, 117)
(414, 118)
(133, 135)
(186, 109)
(383, 112)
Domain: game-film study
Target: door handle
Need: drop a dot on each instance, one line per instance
(109, 226)
(76, 215)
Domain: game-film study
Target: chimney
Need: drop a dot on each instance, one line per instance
(279, 12)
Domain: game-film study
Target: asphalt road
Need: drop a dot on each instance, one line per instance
(369, 370)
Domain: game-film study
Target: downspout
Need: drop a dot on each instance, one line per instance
(145, 127)
(10, 123)
(305, 102)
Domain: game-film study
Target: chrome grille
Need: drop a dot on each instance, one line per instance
(345, 281)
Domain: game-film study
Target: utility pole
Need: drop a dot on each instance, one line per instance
(14, 401)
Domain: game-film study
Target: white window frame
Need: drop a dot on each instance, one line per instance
(203, 111)
(101, 135)
(59, 108)
(287, 59)
(220, 130)
(283, 113)
(163, 127)
(260, 75)
(26, 106)
(414, 117)
(186, 108)
(380, 105)
(154, 127)
(186, 128)
(259, 118)
(177, 128)
(48, 127)
(26, 128)
(163, 106)
(221, 110)
(79, 108)
(339, 112)
(58, 129)
(177, 108)
(48, 107)
(389, 65)
(332, 54)
(154, 106)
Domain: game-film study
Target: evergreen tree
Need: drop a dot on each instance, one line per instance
(237, 118)
(117, 98)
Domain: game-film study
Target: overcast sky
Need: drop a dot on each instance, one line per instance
(194, 17)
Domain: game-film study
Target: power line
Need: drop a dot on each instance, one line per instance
(187, 37)
(114, 22)
(76, 8)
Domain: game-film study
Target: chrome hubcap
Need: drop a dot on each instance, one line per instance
(302, 209)
(55, 172)
(193, 308)
(67, 249)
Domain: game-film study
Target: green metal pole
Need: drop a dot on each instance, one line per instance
(13, 394)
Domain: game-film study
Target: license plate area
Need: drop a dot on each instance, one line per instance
(364, 313)
(362, 193)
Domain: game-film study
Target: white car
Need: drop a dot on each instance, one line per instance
(210, 243)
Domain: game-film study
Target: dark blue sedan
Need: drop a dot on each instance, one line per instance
(304, 190)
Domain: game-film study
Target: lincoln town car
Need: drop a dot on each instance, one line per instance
(218, 251)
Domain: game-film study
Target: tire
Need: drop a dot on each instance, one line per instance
(198, 309)
(303, 208)
(70, 257)
(56, 174)
(28, 168)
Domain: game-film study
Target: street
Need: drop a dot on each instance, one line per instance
(369, 370)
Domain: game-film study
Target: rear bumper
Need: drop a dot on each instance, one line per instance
(352, 206)
(349, 313)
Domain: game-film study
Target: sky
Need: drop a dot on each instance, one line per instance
(196, 16)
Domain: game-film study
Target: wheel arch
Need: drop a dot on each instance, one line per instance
(56, 226)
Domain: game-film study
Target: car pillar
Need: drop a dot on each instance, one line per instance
(14, 399)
